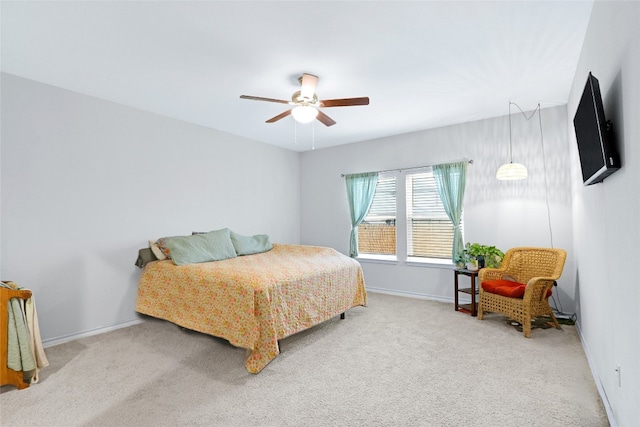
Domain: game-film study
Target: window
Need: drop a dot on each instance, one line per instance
(407, 220)
(429, 229)
(377, 232)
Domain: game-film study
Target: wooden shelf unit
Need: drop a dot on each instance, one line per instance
(472, 308)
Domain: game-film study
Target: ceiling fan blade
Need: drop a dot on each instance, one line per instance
(259, 98)
(345, 102)
(308, 83)
(279, 116)
(326, 120)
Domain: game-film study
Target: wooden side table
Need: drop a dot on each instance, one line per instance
(472, 308)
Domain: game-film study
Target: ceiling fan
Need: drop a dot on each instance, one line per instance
(306, 103)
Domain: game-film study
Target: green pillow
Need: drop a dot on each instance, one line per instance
(249, 245)
(213, 246)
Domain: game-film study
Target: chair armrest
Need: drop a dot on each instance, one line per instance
(537, 287)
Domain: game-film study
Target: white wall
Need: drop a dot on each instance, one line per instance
(85, 184)
(501, 213)
(607, 215)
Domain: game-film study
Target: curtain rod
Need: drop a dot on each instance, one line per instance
(413, 167)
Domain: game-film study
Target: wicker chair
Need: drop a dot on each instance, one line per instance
(533, 270)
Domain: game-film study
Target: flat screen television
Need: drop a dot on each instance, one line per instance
(596, 146)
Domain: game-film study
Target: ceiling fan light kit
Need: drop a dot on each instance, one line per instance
(304, 113)
(306, 105)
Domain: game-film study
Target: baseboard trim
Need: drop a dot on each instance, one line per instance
(72, 337)
(409, 294)
(603, 395)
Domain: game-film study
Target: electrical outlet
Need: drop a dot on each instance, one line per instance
(618, 375)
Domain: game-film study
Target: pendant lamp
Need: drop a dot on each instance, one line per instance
(511, 171)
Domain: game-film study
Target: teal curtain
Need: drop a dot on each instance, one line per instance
(361, 188)
(450, 179)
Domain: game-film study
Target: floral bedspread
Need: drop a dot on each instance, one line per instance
(254, 300)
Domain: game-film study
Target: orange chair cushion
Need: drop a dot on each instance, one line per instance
(507, 288)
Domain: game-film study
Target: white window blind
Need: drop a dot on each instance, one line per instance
(377, 232)
(429, 230)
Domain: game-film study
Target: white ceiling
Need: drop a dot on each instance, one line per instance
(424, 64)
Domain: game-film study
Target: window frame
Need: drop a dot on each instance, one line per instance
(402, 240)
(380, 256)
(418, 208)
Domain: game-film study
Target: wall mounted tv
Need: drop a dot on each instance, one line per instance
(596, 145)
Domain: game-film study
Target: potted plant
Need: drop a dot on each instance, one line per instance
(471, 253)
(471, 263)
(480, 256)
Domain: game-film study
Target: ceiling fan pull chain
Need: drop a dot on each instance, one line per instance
(313, 135)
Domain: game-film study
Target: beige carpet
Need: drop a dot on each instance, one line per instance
(397, 362)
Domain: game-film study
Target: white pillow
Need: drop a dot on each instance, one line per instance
(156, 250)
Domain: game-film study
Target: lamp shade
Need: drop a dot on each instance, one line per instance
(304, 113)
(511, 171)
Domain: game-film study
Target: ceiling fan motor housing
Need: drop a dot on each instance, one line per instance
(297, 98)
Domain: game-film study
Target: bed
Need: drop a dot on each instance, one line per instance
(254, 300)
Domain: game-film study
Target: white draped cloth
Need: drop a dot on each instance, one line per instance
(24, 345)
